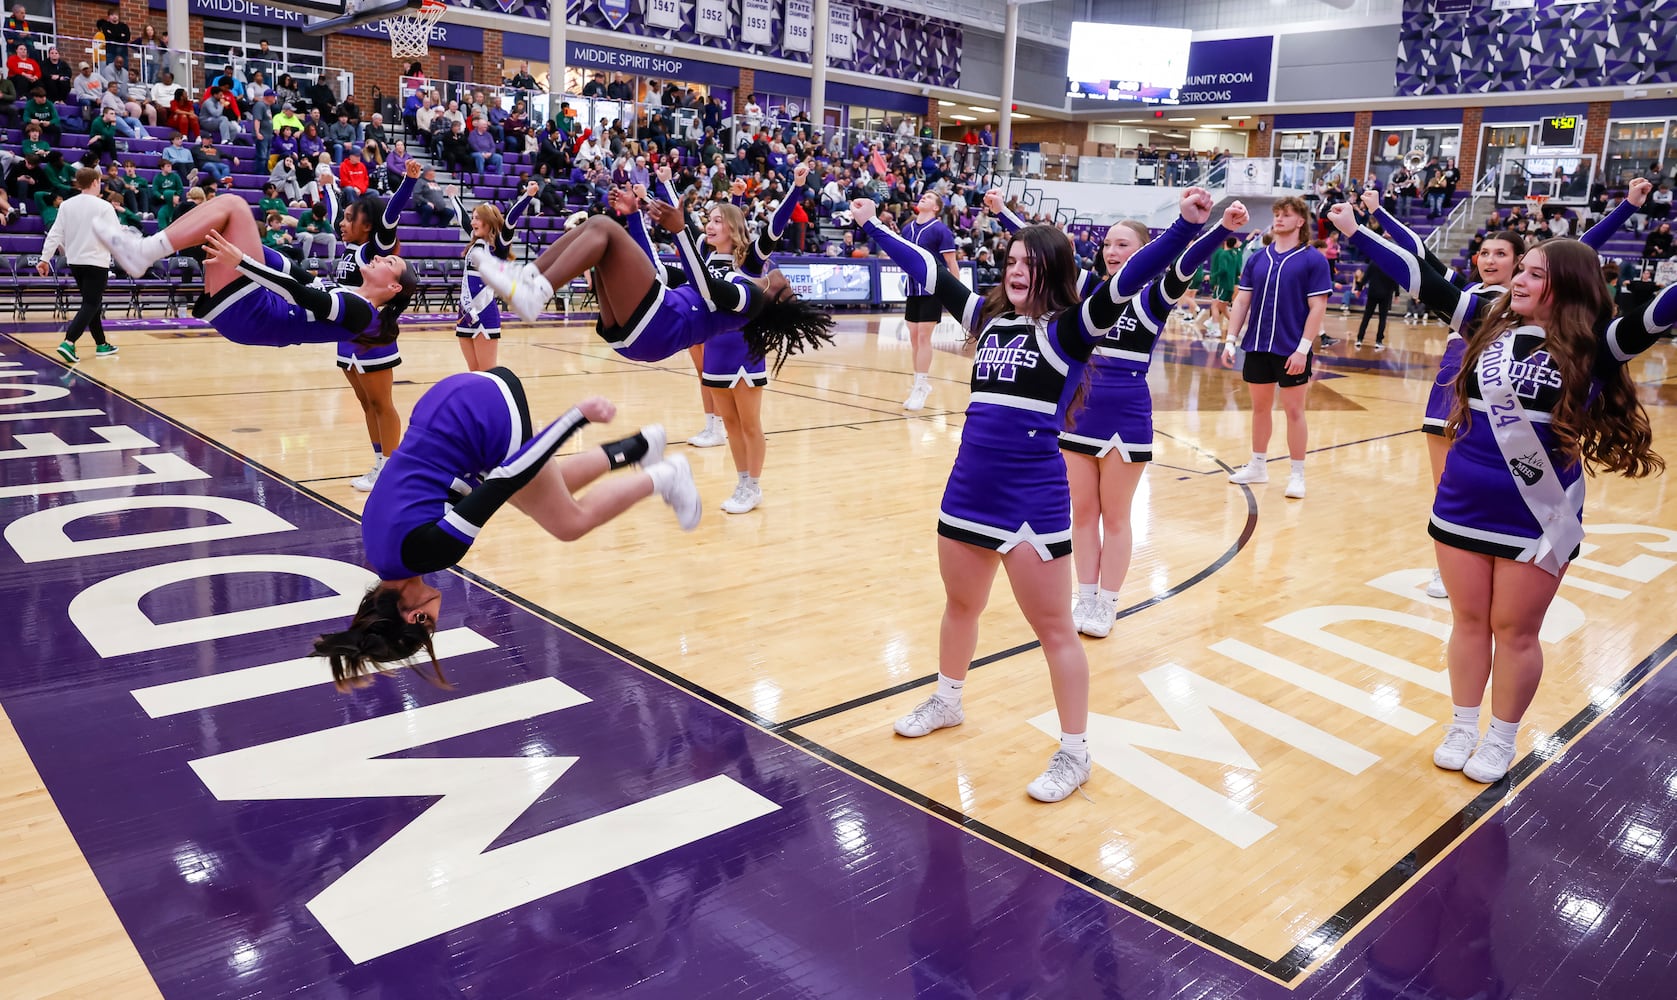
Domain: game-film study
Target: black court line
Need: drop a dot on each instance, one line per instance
(1286, 969)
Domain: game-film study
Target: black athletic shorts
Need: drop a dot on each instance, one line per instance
(923, 309)
(1264, 368)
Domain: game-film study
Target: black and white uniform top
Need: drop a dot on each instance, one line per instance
(1008, 485)
(346, 272)
(1479, 505)
(480, 315)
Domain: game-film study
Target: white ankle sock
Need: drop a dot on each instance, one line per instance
(1087, 589)
(663, 477)
(1465, 717)
(743, 478)
(1107, 596)
(1076, 744)
(754, 482)
(1503, 732)
(1298, 466)
(158, 246)
(922, 378)
(1258, 460)
(950, 690)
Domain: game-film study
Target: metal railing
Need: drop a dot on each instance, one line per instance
(1443, 239)
(190, 67)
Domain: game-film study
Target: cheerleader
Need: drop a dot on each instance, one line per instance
(732, 375)
(367, 227)
(1499, 255)
(251, 297)
(479, 327)
(644, 319)
(1007, 502)
(1108, 434)
(469, 452)
(921, 310)
(1543, 394)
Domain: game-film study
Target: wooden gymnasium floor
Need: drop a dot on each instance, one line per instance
(1265, 705)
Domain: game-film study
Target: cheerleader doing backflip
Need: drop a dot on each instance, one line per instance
(644, 319)
(1499, 255)
(1108, 436)
(479, 327)
(469, 452)
(1007, 503)
(250, 295)
(733, 377)
(1543, 394)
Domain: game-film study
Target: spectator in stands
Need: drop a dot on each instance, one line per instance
(166, 192)
(284, 178)
(117, 33)
(596, 85)
(375, 135)
(86, 88)
(257, 87)
(18, 31)
(522, 80)
(24, 71)
(213, 170)
(453, 114)
(1658, 244)
(620, 89)
(323, 187)
(339, 134)
(397, 161)
(1438, 191)
(262, 127)
(315, 233)
(516, 129)
(286, 117)
(56, 76)
(139, 100)
(116, 68)
(128, 123)
(552, 154)
(261, 61)
(352, 173)
(10, 113)
(277, 235)
(285, 88)
(310, 144)
(483, 148)
(271, 200)
(43, 113)
(101, 138)
(430, 202)
(1659, 203)
(212, 116)
(148, 54)
(454, 149)
(425, 116)
(321, 99)
(178, 154)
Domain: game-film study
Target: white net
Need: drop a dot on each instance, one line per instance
(410, 32)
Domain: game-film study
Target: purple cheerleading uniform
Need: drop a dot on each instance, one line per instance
(1441, 399)
(1479, 506)
(347, 273)
(485, 320)
(1114, 413)
(1008, 485)
(684, 307)
(266, 306)
(468, 449)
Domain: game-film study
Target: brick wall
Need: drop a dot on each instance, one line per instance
(934, 117)
(1595, 131)
(1467, 151)
(748, 84)
(1263, 140)
(1066, 133)
(1361, 134)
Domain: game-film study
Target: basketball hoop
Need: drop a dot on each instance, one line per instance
(410, 31)
(1536, 201)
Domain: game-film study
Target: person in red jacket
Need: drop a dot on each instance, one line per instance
(352, 173)
(24, 70)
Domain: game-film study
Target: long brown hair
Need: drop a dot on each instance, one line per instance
(1053, 277)
(1606, 430)
(377, 635)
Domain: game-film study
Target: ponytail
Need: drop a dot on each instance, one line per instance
(377, 635)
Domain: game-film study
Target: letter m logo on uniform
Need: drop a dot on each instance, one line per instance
(999, 362)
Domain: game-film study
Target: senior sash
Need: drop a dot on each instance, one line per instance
(1555, 507)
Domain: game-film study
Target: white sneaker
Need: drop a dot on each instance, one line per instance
(126, 246)
(1097, 624)
(527, 292)
(1459, 744)
(1436, 587)
(1490, 762)
(655, 441)
(1081, 608)
(365, 483)
(1066, 774)
(744, 500)
(680, 492)
(1295, 486)
(1251, 472)
(714, 435)
(917, 396)
(929, 716)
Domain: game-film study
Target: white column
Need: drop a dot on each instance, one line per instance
(555, 58)
(1004, 133)
(180, 42)
(818, 70)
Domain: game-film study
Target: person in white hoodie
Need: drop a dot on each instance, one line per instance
(90, 262)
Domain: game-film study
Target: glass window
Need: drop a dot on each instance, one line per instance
(238, 41)
(1500, 139)
(1631, 148)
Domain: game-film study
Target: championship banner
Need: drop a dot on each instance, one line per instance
(756, 28)
(841, 33)
(710, 17)
(663, 14)
(614, 11)
(800, 25)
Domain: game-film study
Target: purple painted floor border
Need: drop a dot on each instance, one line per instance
(842, 891)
